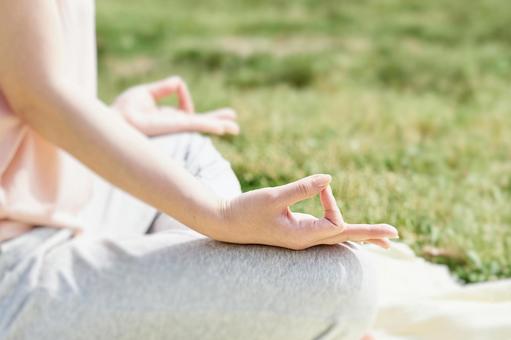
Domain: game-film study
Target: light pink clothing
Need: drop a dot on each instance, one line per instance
(39, 183)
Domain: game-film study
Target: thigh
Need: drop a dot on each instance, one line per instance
(176, 286)
(199, 156)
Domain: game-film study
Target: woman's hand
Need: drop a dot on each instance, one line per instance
(263, 217)
(139, 107)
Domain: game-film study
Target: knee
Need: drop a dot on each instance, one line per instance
(177, 145)
(319, 293)
(339, 289)
(192, 149)
(200, 157)
(356, 312)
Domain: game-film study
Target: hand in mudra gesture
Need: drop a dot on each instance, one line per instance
(139, 106)
(257, 217)
(263, 216)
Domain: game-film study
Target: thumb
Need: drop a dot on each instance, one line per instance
(302, 189)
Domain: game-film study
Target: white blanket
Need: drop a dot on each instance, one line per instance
(420, 300)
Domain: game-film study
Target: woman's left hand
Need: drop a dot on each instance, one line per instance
(139, 106)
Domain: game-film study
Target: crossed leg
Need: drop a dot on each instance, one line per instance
(174, 285)
(180, 285)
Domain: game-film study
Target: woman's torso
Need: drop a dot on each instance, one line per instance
(39, 183)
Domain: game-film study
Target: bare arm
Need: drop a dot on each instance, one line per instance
(33, 77)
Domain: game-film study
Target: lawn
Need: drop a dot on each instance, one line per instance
(405, 102)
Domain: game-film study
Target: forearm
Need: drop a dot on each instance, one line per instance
(104, 142)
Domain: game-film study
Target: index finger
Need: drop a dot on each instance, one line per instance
(331, 210)
(364, 232)
(166, 87)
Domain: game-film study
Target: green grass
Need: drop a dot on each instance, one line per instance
(405, 102)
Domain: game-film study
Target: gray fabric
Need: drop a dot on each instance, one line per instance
(178, 284)
(173, 285)
(198, 155)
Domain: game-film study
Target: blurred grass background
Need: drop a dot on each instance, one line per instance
(405, 102)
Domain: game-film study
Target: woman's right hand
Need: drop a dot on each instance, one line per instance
(263, 217)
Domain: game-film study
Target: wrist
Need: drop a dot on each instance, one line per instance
(209, 217)
(219, 224)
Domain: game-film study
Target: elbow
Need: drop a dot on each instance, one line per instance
(36, 103)
(28, 99)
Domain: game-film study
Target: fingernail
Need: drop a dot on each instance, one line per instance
(321, 180)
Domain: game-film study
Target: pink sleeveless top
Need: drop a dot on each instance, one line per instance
(41, 184)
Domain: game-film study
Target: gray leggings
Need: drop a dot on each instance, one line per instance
(117, 282)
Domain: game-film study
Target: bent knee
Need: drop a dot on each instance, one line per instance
(199, 156)
(178, 145)
(359, 309)
(336, 287)
(325, 292)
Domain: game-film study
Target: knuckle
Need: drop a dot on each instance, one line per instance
(270, 195)
(303, 188)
